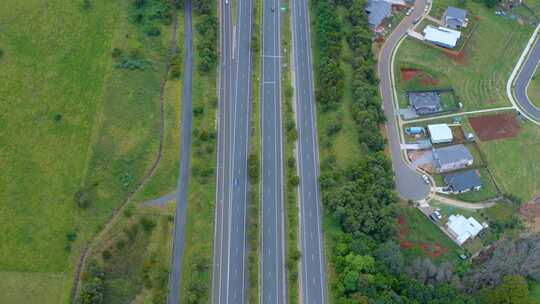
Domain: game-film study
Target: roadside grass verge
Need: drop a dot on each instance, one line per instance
(291, 190)
(121, 284)
(479, 75)
(533, 91)
(199, 229)
(135, 256)
(254, 165)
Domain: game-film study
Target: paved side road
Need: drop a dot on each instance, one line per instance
(272, 261)
(230, 271)
(312, 270)
(181, 193)
(522, 81)
(409, 183)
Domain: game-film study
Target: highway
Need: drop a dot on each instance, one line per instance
(522, 82)
(409, 183)
(181, 193)
(229, 281)
(312, 266)
(272, 261)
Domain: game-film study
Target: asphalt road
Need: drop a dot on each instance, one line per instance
(312, 272)
(181, 193)
(522, 80)
(409, 183)
(229, 273)
(272, 261)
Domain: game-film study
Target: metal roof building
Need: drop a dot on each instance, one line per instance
(452, 158)
(425, 103)
(440, 133)
(462, 228)
(463, 181)
(455, 18)
(441, 36)
(377, 10)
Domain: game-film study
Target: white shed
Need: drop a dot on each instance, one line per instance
(440, 133)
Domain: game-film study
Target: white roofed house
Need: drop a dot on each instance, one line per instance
(442, 36)
(440, 133)
(463, 229)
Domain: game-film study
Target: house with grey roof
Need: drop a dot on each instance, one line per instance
(425, 103)
(451, 158)
(377, 11)
(455, 18)
(462, 181)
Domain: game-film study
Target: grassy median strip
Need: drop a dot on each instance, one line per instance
(291, 177)
(254, 167)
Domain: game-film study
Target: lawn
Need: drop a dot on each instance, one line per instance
(31, 287)
(479, 76)
(515, 162)
(74, 122)
(533, 90)
(417, 231)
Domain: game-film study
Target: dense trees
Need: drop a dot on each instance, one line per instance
(207, 27)
(365, 202)
(513, 289)
(328, 36)
(521, 257)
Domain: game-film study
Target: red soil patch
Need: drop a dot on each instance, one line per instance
(490, 100)
(457, 57)
(409, 74)
(429, 249)
(497, 126)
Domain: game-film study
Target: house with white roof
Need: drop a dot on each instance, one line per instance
(442, 36)
(440, 133)
(463, 229)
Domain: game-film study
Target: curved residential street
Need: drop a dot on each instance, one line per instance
(409, 183)
(525, 74)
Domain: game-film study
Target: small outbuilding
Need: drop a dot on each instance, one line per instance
(462, 228)
(440, 133)
(462, 181)
(425, 103)
(455, 18)
(451, 158)
(442, 36)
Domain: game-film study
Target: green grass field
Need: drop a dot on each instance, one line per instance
(479, 78)
(515, 162)
(73, 122)
(423, 231)
(534, 289)
(533, 91)
(31, 287)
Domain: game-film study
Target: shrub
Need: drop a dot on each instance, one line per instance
(148, 224)
(106, 254)
(84, 197)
